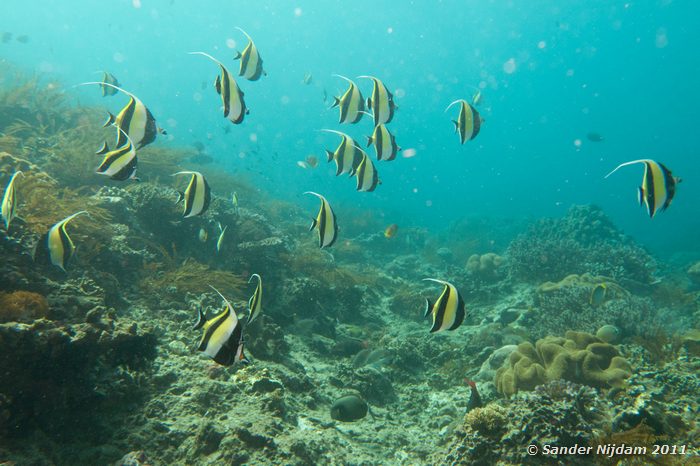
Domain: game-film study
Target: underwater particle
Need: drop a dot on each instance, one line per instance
(400, 92)
(541, 44)
(230, 43)
(203, 235)
(408, 153)
(284, 100)
(661, 38)
(136, 3)
(312, 161)
(390, 30)
(302, 164)
(509, 66)
(577, 143)
(118, 57)
(595, 137)
(297, 12)
(6, 37)
(172, 122)
(197, 97)
(415, 190)
(608, 333)
(23, 39)
(429, 203)
(349, 408)
(308, 79)
(253, 137)
(569, 73)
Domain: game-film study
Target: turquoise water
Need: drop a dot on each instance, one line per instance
(620, 69)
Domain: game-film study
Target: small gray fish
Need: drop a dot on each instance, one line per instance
(595, 137)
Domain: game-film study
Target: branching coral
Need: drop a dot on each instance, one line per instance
(584, 241)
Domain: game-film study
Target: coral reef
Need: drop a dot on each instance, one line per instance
(22, 306)
(584, 241)
(578, 357)
(485, 266)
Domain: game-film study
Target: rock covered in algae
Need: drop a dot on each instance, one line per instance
(349, 408)
(578, 357)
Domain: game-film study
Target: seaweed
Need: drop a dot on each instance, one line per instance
(194, 277)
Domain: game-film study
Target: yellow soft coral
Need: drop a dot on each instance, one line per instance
(578, 357)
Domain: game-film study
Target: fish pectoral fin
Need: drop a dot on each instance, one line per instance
(369, 140)
(428, 307)
(640, 195)
(456, 125)
(110, 120)
(237, 56)
(369, 102)
(329, 155)
(313, 224)
(336, 102)
(180, 197)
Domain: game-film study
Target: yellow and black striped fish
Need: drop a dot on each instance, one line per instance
(448, 311)
(325, 222)
(135, 119)
(55, 246)
(384, 143)
(366, 173)
(9, 200)
(109, 78)
(197, 195)
(223, 335)
(381, 104)
(658, 185)
(255, 301)
(347, 156)
(351, 103)
(120, 163)
(232, 97)
(251, 61)
(468, 122)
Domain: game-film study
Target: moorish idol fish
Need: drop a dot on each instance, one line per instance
(325, 222)
(476, 98)
(384, 143)
(255, 301)
(367, 177)
(448, 311)
(231, 95)
(234, 201)
(223, 335)
(197, 195)
(468, 122)
(220, 241)
(108, 78)
(56, 246)
(347, 156)
(135, 119)
(658, 185)
(9, 201)
(381, 103)
(251, 61)
(119, 164)
(351, 104)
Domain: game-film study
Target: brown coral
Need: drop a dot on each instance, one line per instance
(22, 306)
(578, 357)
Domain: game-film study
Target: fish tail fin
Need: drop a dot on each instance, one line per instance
(237, 56)
(110, 120)
(336, 102)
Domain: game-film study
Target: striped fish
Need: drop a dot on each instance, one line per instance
(381, 103)
(367, 177)
(108, 78)
(658, 185)
(325, 222)
(223, 335)
(350, 104)
(135, 120)
(255, 301)
(251, 61)
(220, 241)
(468, 122)
(55, 246)
(9, 201)
(347, 156)
(384, 143)
(120, 163)
(448, 311)
(232, 97)
(197, 195)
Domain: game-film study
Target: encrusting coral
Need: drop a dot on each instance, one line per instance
(578, 357)
(484, 266)
(22, 306)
